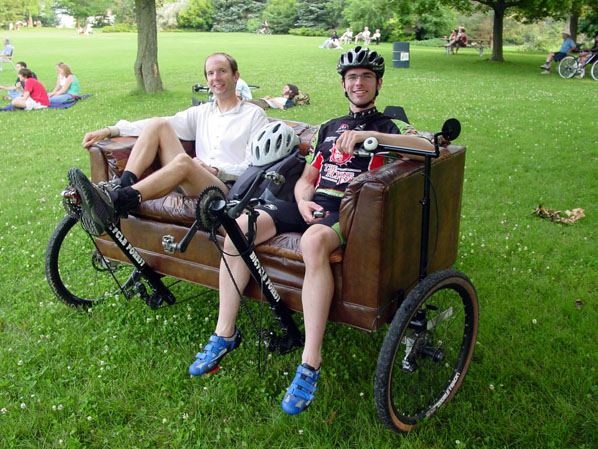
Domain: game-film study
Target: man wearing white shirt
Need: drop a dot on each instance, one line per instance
(222, 130)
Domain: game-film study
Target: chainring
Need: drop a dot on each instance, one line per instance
(206, 217)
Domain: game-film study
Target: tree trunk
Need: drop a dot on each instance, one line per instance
(146, 64)
(573, 23)
(497, 29)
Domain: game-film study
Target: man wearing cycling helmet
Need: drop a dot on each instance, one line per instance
(318, 193)
(222, 131)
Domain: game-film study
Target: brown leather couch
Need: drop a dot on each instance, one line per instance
(380, 216)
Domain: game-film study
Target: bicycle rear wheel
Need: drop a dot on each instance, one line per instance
(568, 67)
(594, 71)
(427, 350)
(77, 272)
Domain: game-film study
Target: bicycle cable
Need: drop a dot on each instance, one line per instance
(257, 329)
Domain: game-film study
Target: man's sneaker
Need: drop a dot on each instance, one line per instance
(546, 72)
(97, 209)
(208, 361)
(545, 66)
(302, 390)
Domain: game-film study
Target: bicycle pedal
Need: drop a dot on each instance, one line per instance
(71, 201)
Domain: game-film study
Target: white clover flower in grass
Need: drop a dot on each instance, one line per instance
(89, 418)
(20, 363)
(23, 405)
(185, 416)
(164, 421)
(4, 411)
(534, 321)
(60, 407)
(491, 386)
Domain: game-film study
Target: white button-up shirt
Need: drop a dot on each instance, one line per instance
(222, 139)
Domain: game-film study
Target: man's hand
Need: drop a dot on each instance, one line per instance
(202, 164)
(307, 208)
(347, 140)
(95, 136)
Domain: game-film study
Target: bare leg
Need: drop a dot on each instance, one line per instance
(157, 138)
(318, 288)
(19, 102)
(229, 298)
(182, 170)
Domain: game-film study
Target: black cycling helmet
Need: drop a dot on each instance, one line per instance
(361, 57)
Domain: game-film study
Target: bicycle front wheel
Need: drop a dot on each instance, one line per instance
(77, 272)
(568, 67)
(594, 71)
(427, 350)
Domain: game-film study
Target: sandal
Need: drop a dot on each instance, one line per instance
(301, 392)
(208, 361)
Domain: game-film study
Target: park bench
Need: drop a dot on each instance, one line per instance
(478, 44)
(380, 215)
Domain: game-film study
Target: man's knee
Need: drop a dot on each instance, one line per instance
(183, 162)
(317, 245)
(155, 125)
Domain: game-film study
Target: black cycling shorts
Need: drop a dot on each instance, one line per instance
(287, 218)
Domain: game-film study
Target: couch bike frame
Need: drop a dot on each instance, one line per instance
(429, 344)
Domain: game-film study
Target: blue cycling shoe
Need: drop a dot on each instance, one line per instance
(208, 361)
(302, 390)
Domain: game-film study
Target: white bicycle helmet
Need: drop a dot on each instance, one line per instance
(275, 141)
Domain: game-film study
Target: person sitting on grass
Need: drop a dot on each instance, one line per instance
(67, 85)
(222, 131)
(566, 49)
(16, 90)
(34, 94)
(330, 169)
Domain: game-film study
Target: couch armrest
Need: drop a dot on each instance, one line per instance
(381, 217)
(113, 156)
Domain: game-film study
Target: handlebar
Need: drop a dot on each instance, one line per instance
(370, 147)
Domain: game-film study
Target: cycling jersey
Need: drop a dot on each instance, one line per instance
(338, 169)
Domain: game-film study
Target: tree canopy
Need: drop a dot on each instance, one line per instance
(521, 9)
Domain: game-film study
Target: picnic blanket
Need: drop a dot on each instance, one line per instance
(10, 107)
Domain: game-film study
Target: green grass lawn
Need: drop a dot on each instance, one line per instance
(117, 377)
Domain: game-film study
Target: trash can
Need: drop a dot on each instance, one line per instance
(400, 55)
